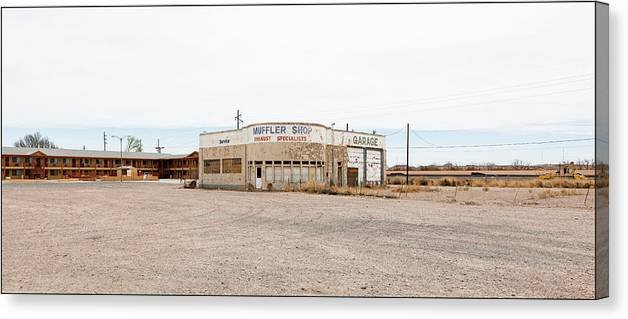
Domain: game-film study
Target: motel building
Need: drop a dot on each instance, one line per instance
(271, 156)
(42, 163)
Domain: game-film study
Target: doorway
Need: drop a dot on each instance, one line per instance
(258, 177)
(352, 176)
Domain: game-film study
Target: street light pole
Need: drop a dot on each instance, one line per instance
(118, 137)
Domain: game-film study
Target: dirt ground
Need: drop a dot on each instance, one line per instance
(158, 238)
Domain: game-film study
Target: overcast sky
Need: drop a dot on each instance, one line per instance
(525, 71)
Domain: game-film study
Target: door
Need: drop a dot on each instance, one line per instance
(258, 177)
(352, 176)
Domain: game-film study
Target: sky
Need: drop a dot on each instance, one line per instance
(458, 74)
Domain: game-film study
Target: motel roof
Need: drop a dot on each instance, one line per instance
(60, 152)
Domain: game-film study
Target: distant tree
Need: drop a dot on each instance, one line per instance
(519, 164)
(35, 140)
(134, 144)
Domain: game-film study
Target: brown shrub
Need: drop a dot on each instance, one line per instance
(415, 189)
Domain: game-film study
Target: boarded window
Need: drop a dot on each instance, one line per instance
(296, 174)
(269, 173)
(286, 174)
(277, 174)
(212, 167)
(232, 165)
(305, 172)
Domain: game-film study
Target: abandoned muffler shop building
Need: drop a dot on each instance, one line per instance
(274, 155)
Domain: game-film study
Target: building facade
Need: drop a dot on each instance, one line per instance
(41, 163)
(276, 155)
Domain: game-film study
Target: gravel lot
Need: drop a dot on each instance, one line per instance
(157, 238)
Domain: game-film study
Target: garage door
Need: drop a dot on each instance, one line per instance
(373, 166)
(356, 160)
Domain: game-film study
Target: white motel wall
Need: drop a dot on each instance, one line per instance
(279, 154)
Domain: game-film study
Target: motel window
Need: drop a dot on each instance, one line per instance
(14, 159)
(212, 166)
(27, 160)
(16, 172)
(53, 161)
(231, 165)
(117, 162)
(53, 172)
(97, 162)
(65, 161)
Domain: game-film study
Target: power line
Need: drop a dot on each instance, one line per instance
(422, 139)
(498, 144)
(396, 132)
(467, 105)
(469, 94)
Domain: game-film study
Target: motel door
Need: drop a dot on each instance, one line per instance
(258, 177)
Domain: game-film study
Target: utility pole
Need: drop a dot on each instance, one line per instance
(347, 127)
(332, 164)
(159, 148)
(563, 155)
(104, 141)
(407, 154)
(238, 119)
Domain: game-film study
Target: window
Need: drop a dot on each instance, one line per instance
(16, 172)
(53, 161)
(277, 173)
(296, 174)
(212, 166)
(305, 172)
(269, 173)
(97, 162)
(27, 160)
(14, 159)
(286, 174)
(117, 162)
(65, 161)
(53, 172)
(231, 165)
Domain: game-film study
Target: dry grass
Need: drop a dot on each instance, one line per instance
(551, 193)
(490, 182)
(415, 189)
(320, 188)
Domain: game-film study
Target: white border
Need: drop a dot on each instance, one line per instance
(40, 306)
